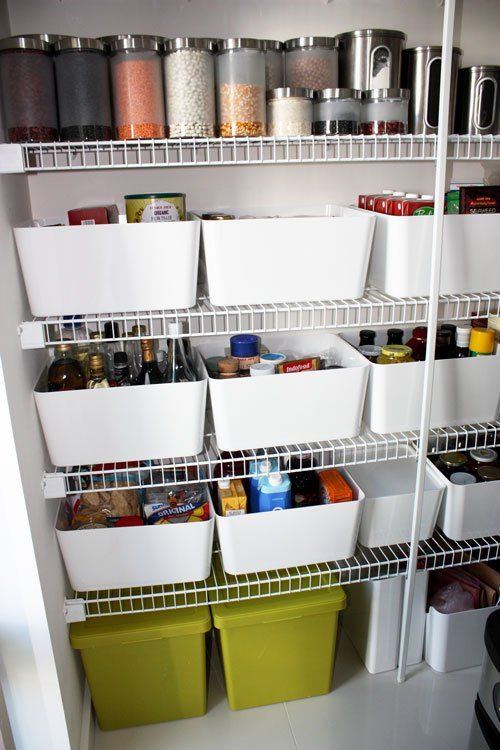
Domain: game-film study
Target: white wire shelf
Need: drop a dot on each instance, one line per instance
(373, 309)
(187, 152)
(220, 587)
(211, 463)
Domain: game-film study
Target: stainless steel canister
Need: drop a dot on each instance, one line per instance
(370, 58)
(421, 74)
(478, 106)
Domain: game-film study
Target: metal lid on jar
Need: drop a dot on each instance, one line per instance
(25, 42)
(272, 44)
(430, 48)
(337, 94)
(50, 38)
(482, 68)
(372, 32)
(387, 94)
(397, 351)
(484, 455)
(189, 42)
(287, 93)
(301, 42)
(489, 473)
(226, 45)
(124, 42)
(79, 43)
(453, 460)
(214, 216)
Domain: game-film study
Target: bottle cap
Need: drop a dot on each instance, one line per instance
(395, 331)
(96, 362)
(420, 332)
(95, 335)
(261, 368)
(397, 351)
(138, 330)
(462, 477)
(63, 347)
(273, 358)
(120, 359)
(453, 460)
(489, 473)
(275, 479)
(482, 340)
(111, 330)
(160, 356)
(484, 455)
(244, 345)
(224, 484)
(463, 337)
(174, 330)
(146, 344)
(264, 466)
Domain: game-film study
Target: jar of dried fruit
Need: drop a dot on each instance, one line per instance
(312, 62)
(385, 112)
(241, 87)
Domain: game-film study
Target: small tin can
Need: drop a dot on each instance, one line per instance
(152, 207)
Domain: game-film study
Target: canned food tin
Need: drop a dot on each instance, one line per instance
(153, 207)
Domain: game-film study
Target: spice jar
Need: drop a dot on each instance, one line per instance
(241, 81)
(312, 62)
(83, 95)
(480, 457)
(489, 474)
(274, 64)
(449, 463)
(190, 87)
(136, 78)
(28, 90)
(336, 112)
(385, 112)
(289, 111)
(394, 354)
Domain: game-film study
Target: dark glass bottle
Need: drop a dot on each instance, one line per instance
(477, 322)
(121, 371)
(444, 349)
(150, 372)
(395, 337)
(453, 333)
(463, 340)
(367, 337)
(418, 343)
(65, 373)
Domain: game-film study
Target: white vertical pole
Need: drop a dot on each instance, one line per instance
(437, 242)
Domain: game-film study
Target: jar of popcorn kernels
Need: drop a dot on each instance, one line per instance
(241, 82)
(289, 112)
(311, 62)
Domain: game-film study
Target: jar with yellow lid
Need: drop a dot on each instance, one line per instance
(482, 342)
(395, 354)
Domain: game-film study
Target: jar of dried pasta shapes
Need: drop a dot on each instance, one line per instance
(241, 87)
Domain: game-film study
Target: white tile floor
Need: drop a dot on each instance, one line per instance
(428, 712)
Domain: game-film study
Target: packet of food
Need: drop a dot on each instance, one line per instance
(101, 505)
(175, 505)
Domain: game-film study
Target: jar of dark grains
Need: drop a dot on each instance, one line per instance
(83, 93)
(28, 90)
(385, 112)
(336, 112)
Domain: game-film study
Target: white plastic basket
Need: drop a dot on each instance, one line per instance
(319, 253)
(114, 558)
(389, 489)
(455, 641)
(72, 270)
(290, 538)
(293, 408)
(401, 256)
(468, 511)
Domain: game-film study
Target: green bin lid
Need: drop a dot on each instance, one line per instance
(274, 608)
(146, 626)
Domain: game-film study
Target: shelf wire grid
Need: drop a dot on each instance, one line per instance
(375, 308)
(221, 587)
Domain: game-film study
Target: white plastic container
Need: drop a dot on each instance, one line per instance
(465, 391)
(309, 253)
(293, 408)
(389, 489)
(109, 267)
(123, 424)
(290, 538)
(401, 257)
(131, 556)
(372, 621)
(455, 641)
(468, 511)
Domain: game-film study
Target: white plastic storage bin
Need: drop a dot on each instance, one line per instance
(455, 641)
(372, 621)
(465, 391)
(293, 408)
(389, 489)
(123, 424)
(131, 556)
(290, 538)
(103, 268)
(468, 511)
(401, 256)
(318, 253)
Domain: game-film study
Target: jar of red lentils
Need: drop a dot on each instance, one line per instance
(241, 87)
(137, 83)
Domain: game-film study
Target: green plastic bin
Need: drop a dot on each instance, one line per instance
(279, 648)
(145, 668)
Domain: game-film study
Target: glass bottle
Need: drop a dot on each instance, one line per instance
(133, 349)
(160, 359)
(367, 338)
(112, 331)
(395, 337)
(65, 373)
(121, 371)
(418, 343)
(395, 354)
(97, 375)
(82, 354)
(444, 349)
(178, 369)
(149, 373)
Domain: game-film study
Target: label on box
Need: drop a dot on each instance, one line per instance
(300, 365)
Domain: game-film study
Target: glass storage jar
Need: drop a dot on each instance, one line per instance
(190, 87)
(289, 111)
(274, 64)
(336, 112)
(83, 95)
(385, 112)
(241, 83)
(311, 62)
(136, 78)
(28, 90)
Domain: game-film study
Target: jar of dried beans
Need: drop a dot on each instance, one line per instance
(289, 111)
(385, 112)
(274, 64)
(190, 87)
(312, 62)
(336, 112)
(241, 87)
(83, 94)
(136, 78)
(28, 89)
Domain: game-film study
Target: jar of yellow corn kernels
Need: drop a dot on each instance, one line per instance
(241, 87)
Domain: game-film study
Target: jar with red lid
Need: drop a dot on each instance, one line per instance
(385, 112)
(418, 343)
